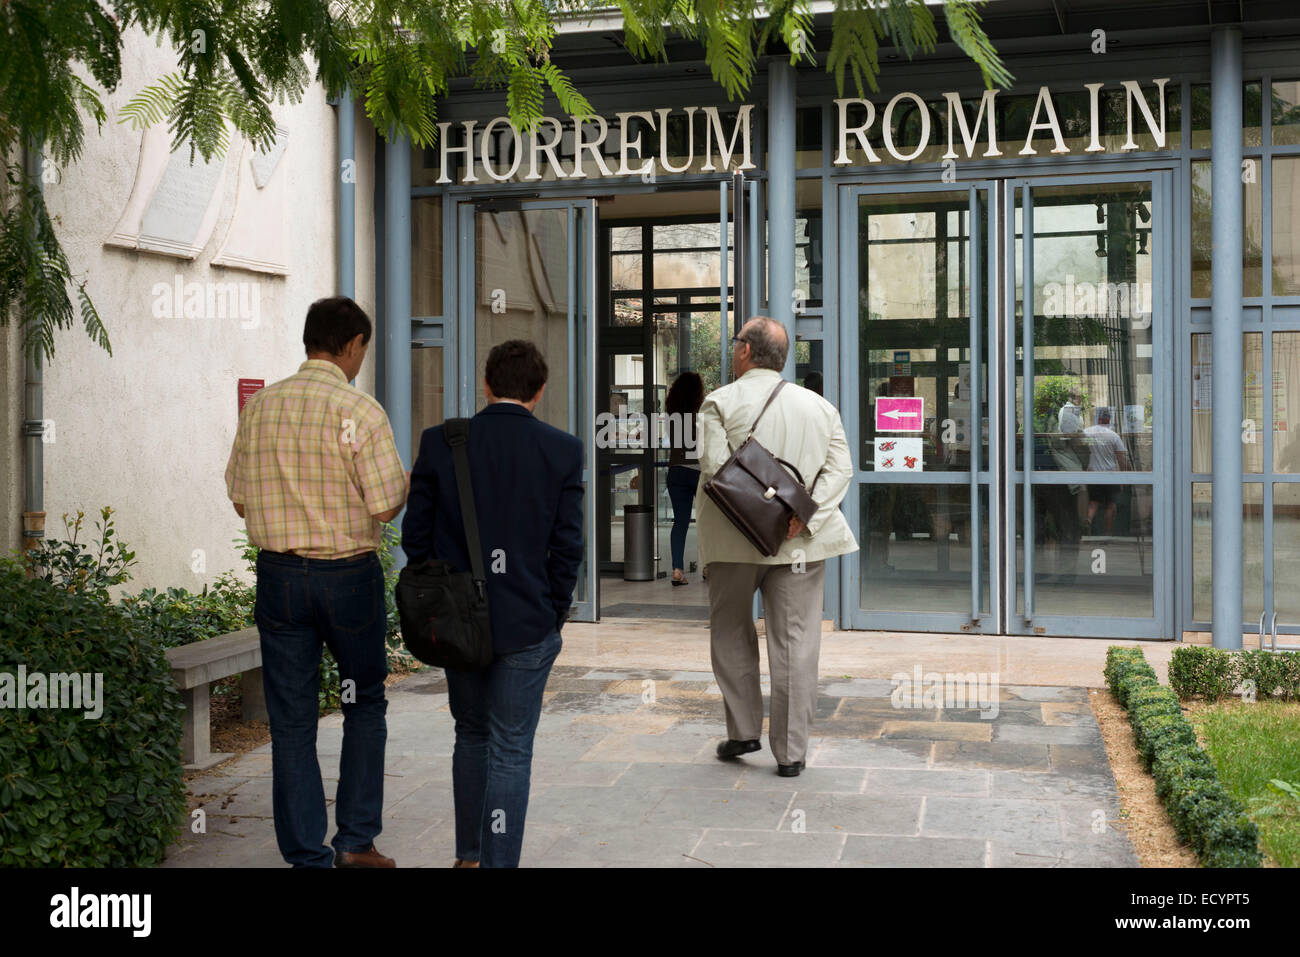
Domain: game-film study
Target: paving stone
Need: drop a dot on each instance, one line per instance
(991, 819)
(723, 775)
(620, 845)
(740, 848)
(938, 730)
(1084, 821)
(1060, 854)
(592, 773)
(654, 748)
(878, 753)
(1087, 759)
(568, 745)
(810, 781)
(578, 702)
(581, 685)
(894, 851)
(854, 813)
(1050, 784)
(1046, 734)
(883, 709)
(432, 803)
(591, 807)
(854, 727)
(701, 678)
(436, 702)
(991, 754)
(896, 781)
(1022, 716)
(639, 674)
(691, 808)
(1060, 693)
(858, 688)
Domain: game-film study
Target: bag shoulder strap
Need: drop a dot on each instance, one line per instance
(779, 386)
(456, 434)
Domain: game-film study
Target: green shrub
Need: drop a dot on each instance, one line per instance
(97, 792)
(178, 617)
(1273, 675)
(1202, 670)
(1200, 809)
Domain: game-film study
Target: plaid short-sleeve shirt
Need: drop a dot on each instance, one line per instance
(313, 461)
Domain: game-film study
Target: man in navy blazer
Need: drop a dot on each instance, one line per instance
(527, 480)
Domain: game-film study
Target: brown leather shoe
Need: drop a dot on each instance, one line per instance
(367, 858)
(460, 863)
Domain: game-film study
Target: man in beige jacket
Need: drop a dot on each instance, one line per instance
(804, 429)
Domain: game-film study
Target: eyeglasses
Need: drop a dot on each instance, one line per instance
(735, 339)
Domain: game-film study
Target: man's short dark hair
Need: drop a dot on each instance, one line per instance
(333, 323)
(515, 370)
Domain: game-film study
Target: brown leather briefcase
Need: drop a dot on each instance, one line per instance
(757, 494)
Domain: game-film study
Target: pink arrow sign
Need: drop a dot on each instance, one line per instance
(900, 413)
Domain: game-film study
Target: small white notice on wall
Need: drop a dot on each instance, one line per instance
(898, 455)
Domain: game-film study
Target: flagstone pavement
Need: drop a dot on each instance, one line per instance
(624, 774)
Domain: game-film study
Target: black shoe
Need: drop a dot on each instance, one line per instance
(731, 748)
(789, 770)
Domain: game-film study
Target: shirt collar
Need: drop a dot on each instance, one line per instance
(323, 365)
(506, 408)
(761, 373)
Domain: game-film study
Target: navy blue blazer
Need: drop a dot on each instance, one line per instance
(527, 479)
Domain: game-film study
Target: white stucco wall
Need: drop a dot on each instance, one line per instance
(148, 429)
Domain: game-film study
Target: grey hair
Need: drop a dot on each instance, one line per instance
(768, 343)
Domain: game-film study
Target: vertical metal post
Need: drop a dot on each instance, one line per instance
(1027, 393)
(723, 326)
(780, 199)
(740, 240)
(397, 292)
(1226, 281)
(347, 208)
(34, 412)
(974, 312)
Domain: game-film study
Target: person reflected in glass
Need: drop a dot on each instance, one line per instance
(1070, 418)
(1107, 453)
(682, 403)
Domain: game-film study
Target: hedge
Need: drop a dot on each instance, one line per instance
(1202, 812)
(79, 790)
(1214, 673)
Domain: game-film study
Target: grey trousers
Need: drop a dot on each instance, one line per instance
(792, 606)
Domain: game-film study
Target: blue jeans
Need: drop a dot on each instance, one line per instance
(302, 604)
(681, 491)
(496, 712)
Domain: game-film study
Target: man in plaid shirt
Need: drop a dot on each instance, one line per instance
(313, 471)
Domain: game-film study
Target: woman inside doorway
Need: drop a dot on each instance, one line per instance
(682, 403)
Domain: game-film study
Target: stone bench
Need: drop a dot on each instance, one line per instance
(194, 667)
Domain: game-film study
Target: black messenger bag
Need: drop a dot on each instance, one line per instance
(757, 494)
(444, 613)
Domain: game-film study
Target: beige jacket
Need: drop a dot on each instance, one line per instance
(800, 427)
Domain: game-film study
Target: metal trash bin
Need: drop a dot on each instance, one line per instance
(638, 543)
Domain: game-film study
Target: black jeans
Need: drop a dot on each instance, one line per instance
(302, 604)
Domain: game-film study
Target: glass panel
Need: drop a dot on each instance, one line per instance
(1286, 226)
(1286, 399)
(914, 326)
(1252, 551)
(916, 547)
(808, 137)
(1252, 253)
(1286, 553)
(809, 365)
(1252, 113)
(1092, 402)
(426, 391)
(1252, 401)
(1286, 112)
(1093, 552)
(521, 292)
(808, 252)
(426, 256)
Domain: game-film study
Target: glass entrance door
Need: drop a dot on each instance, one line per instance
(528, 272)
(1091, 338)
(947, 438)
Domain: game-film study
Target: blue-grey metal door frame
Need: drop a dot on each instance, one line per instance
(975, 616)
(582, 323)
(1024, 619)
